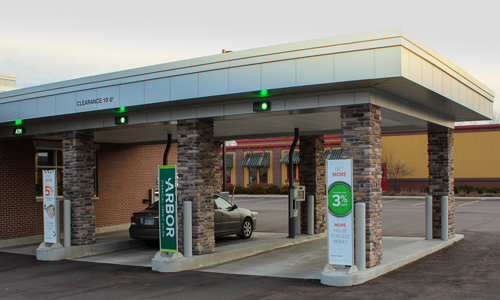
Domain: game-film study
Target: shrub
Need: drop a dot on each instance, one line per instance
(256, 189)
(273, 189)
(284, 189)
(492, 190)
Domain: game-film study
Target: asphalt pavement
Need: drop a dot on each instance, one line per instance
(466, 270)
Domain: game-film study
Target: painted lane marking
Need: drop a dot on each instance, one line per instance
(469, 203)
(418, 204)
(271, 201)
(390, 201)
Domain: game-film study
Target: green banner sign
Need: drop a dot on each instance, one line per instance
(168, 208)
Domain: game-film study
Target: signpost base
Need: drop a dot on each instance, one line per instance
(329, 268)
(353, 269)
(170, 255)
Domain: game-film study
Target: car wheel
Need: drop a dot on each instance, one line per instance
(246, 229)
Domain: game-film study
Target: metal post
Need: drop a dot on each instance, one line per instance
(444, 218)
(360, 236)
(291, 204)
(310, 214)
(67, 223)
(428, 218)
(167, 149)
(188, 233)
(297, 219)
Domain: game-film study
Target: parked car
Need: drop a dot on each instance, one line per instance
(229, 219)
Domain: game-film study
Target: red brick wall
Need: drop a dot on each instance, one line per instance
(20, 215)
(125, 175)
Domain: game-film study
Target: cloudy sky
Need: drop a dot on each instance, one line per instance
(54, 40)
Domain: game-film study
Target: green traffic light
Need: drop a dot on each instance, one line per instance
(264, 106)
(123, 120)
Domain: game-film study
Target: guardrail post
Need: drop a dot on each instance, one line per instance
(310, 214)
(67, 223)
(360, 236)
(444, 218)
(188, 233)
(428, 218)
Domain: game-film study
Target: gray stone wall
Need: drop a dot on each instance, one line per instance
(196, 181)
(312, 176)
(78, 184)
(361, 141)
(441, 176)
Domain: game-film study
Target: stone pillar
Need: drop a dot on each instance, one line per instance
(78, 184)
(195, 140)
(217, 167)
(441, 176)
(361, 141)
(312, 176)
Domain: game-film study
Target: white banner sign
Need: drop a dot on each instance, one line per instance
(339, 212)
(50, 207)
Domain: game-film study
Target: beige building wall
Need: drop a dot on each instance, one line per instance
(7, 82)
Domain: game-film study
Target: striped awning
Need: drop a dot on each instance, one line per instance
(329, 155)
(295, 158)
(229, 160)
(253, 160)
(333, 154)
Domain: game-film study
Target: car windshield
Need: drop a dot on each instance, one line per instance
(222, 203)
(153, 206)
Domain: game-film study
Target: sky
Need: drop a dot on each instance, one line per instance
(49, 41)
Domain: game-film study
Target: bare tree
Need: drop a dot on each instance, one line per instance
(496, 117)
(396, 169)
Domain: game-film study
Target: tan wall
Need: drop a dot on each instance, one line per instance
(477, 154)
(410, 149)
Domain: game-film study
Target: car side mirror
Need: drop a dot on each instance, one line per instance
(235, 206)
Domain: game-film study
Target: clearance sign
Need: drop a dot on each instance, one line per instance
(167, 208)
(339, 212)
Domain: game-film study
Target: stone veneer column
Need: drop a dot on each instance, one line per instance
(361, 141)
(217, 164)
(312, 176)
(78, 184)
(195, 140)
(441, 176)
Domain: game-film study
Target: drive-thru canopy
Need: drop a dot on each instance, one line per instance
(355, 85)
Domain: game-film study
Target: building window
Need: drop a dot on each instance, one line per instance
(45, 160)
(252, 175)
(263, 175)
(228, 175)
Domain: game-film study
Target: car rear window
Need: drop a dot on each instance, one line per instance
(153, 206)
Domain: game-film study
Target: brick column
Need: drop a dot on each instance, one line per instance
(195, 140)
(441, 176)
(217, 167)
(361, 141)
(78, 184)
(312, 176)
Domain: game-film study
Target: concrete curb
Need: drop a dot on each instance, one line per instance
(101, 247)
(402, 256)
(166, 264)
